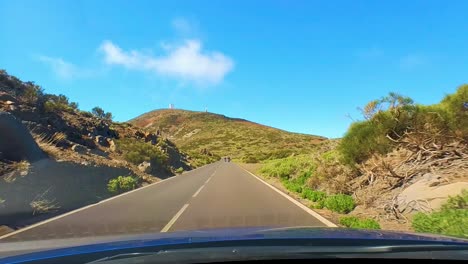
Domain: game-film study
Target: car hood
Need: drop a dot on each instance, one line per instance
(60, 247)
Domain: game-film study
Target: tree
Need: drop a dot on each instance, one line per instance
(108, 116)
(100, 113)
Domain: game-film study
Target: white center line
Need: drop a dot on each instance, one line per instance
(169, 225)
(199, 190)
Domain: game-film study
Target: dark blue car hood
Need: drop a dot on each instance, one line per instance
(55, 248)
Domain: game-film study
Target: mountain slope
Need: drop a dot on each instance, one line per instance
(207, 136)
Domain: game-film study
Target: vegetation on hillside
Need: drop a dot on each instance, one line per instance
(136, 151)
(206, 137)
(333, 171)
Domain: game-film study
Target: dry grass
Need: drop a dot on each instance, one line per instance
(49, 143)
(22, 167)
(41, 204)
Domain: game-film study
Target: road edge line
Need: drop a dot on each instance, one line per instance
(296, 202)
(174, 219)
(88, 206)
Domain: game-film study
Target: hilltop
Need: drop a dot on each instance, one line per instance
(208, 136)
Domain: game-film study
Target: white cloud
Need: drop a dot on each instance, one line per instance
(412, 61)
(187, 61)
(61, 68)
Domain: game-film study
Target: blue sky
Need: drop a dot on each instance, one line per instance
(302, 66)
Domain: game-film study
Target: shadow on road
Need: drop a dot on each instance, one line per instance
(57, 186)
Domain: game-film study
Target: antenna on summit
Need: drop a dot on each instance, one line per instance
(171, 106)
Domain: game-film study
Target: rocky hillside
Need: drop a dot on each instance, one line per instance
(55, 157)
(207, 136)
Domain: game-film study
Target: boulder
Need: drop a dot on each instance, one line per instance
(111, 143)
(145, 167)
(7, 99)
(428, 194)
(79, 149)
(101, 141)
(16, 143)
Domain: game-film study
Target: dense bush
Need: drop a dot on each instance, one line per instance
(455, 105)
(249, 159)
(292, 186)
(368, 137)
(340, 203)
(57, 104)
(288, 167)
(314, 196)
(365, 138)
(136, 151)
(179, 170)
(451, 220)
(100, 113)
(32, 93)
(122, 184)
(354, 222)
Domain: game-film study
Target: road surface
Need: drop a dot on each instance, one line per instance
(219, 195)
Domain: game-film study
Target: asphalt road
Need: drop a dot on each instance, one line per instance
(219, 195)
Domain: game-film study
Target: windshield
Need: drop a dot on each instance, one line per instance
(152, 117)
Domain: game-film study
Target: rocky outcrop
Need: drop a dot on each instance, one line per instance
(145, 167)
(16, 143)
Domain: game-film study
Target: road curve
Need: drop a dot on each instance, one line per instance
(219, 195)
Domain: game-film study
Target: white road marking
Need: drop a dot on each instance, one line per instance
(303, 207)
(211, 176)
(88, 206)
(174, 219)
(199, 190)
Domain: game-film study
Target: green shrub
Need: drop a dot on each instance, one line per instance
(455, 106)
(314, 196)
(32, 92)
(54, 107)
(292, 186)
(354, 222)
(57, 103)
(136, 151)
(457, 202)
(451, 220)
(366, 138)
(340, 203)
(249, 159)
(179, 170)
(288, 167)
(122, 184)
